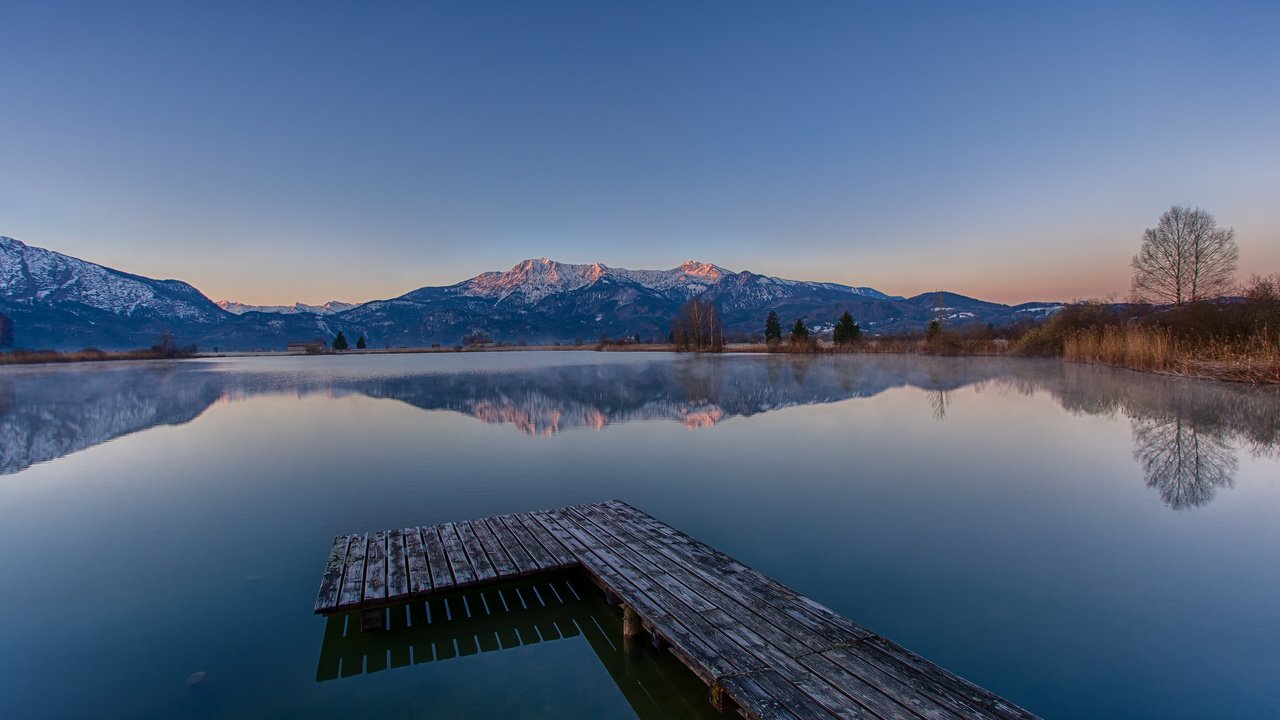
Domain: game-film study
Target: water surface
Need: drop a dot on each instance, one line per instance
(1089, 542)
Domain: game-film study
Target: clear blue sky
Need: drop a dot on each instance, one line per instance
(273, 152)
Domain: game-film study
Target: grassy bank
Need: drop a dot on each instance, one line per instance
(1252, 360)
(1236, 340)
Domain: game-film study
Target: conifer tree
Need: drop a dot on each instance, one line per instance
(799, 333)
(772, 328)
(846, 331)
(340, 342)
(360, 343)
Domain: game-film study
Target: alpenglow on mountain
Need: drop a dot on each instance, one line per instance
(57, 301)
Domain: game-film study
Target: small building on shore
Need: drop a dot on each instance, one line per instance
(307, 347)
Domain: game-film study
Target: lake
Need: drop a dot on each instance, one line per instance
(1086, 541)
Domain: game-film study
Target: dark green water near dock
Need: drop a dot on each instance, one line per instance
(1088, 542)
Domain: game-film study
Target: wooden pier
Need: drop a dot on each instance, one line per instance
(762, 648)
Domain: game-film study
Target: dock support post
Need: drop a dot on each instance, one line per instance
(373, 620)
(720, 699)
(630, 623)
(654, 638)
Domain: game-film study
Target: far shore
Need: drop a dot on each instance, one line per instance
(1211, 370)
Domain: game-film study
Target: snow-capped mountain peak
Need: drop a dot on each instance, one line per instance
(534, 279)
(702, 269)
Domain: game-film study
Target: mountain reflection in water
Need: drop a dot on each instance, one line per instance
(1186, 434)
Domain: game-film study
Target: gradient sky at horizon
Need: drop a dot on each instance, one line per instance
(281, 152)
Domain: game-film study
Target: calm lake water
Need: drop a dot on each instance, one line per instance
(1088, 542)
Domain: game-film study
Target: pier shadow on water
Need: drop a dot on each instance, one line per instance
(559, 607)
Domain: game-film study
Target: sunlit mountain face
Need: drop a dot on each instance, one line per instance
(61, 302)
(1187, 437)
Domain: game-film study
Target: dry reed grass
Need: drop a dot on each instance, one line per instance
(1253, 360)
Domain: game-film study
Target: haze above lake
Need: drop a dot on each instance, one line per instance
(1082, 540)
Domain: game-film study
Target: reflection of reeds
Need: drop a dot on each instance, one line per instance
(1255, 359)
(1247, 417)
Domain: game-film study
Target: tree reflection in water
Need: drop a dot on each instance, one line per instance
(1187, 434)
(1184, 463)
(939, 400)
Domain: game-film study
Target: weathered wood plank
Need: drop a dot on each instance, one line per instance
(397, 566)
(441, 575)
(769, 697)
(375, 568)
(459, 563)
(560, 554)
(917, 696)
(480, 562)
(419, 569)
(815, 673)
(911, 665)
(521, 531)
(353, 579)
(786, 637)
(524, 562)
(714, 580)
(331, 582)
(819, 617)
(502, 563)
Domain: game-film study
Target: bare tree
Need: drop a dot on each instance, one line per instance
(698, 326)
(1184, 258)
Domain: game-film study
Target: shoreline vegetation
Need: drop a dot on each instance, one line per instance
(1236, 340)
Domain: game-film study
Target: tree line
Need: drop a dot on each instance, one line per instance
(340, 342)
(698, 327)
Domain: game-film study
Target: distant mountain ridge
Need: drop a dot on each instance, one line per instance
(58, 301)
(329, 308)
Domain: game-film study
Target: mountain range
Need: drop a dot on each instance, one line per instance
(330, 308)
(61, 302)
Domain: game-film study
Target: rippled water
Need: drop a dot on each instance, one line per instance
(1088, 542)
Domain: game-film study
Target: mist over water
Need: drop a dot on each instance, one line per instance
(1086, 541)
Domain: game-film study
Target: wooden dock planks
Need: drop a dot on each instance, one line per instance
(353, 577)
(331, 583)
(441, 576)
(416, 557)
(761, 647)
(397, 566)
